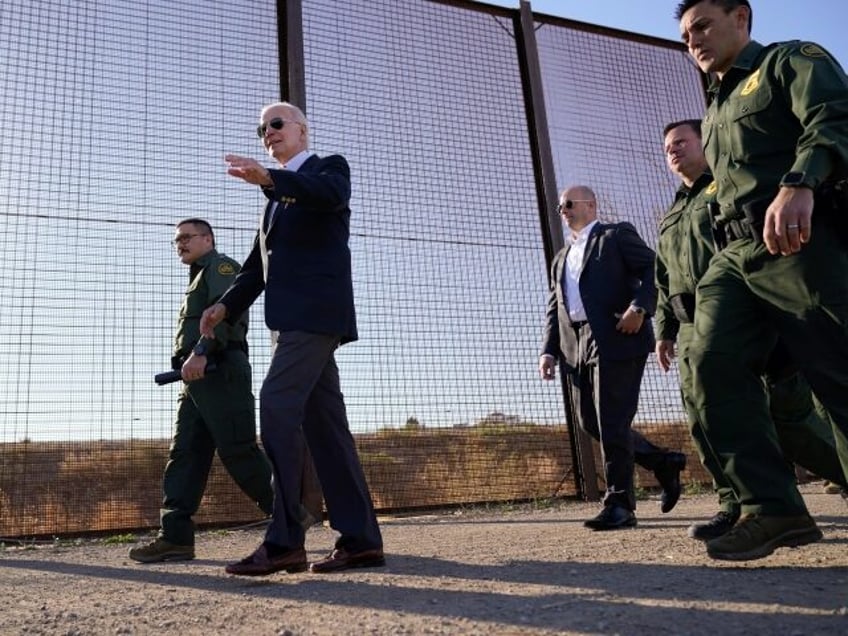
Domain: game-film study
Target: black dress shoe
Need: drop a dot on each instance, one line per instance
(341, 559)
(612, 518)
(668, 476)
(262, 563)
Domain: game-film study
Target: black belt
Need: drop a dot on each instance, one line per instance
(240, 345)
(578, 324)
(736, 229)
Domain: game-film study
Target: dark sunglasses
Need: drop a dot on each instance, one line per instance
(277, 124)
(569, 203)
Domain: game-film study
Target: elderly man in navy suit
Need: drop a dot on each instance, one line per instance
(597, 323)
(301, 260)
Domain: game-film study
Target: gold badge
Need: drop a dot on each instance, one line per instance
(711, 188)
(226, 269)
(752, 83)
(813, 50)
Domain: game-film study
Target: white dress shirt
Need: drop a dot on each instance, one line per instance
(297, 161)
(573, 268)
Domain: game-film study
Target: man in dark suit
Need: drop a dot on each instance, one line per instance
(597, 323)
(301, 260)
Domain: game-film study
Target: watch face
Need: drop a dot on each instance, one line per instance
(793, 178)
(200, 350)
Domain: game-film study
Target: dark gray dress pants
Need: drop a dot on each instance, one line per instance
(301, 399)
(605, 395)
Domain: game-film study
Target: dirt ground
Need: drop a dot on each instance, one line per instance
(520, 570)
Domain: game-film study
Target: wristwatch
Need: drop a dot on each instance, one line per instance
(639, 310)
(200, 349)
(795, 180)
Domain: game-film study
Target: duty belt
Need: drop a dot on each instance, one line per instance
(240, 345)
(736, 229)
(831, 205)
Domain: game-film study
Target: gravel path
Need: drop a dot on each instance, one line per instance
(520, 570)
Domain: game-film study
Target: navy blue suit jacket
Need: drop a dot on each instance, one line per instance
(300, 256)
(618, 271)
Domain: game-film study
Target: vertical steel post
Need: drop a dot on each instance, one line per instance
(585, 473)
(290, 47)
(293, 90)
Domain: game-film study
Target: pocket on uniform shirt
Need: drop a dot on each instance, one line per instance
(753, 124)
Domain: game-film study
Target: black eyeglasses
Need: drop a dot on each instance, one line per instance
(183, 238)
(569, 203)
(277, 124)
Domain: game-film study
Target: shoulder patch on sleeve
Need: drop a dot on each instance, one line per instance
(752, 84)
(711, 188)
(813, 50)
(226, 269)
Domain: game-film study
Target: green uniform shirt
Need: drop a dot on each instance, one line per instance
(781, 108)
(684, 249)
(209, 277)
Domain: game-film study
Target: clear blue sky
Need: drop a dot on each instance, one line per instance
(822, 21)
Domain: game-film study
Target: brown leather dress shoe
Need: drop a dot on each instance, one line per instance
(341, 559)
(260, 563)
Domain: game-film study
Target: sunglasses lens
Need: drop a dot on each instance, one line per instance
(569, 204)
(276, 124)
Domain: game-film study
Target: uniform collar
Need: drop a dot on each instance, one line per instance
(700, 183)
(202, 262)
(744, 62)
(748, 56)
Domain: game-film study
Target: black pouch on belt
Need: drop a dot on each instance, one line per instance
(719, 235)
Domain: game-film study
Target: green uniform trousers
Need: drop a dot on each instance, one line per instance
(803, 427)
(746, 299)
(216, 412)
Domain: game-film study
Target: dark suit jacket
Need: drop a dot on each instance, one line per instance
(618, 271)
(300, 256)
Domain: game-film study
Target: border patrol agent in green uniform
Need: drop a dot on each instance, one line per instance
(775, 134)
(684, 250)
(215, 411)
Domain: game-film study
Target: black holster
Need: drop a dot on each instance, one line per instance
(751, 225)
(755, 216)
(683, 307)
(719, 235)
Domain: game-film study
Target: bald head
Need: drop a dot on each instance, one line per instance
(578, 207)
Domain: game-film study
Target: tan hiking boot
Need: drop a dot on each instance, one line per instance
(161, 550)
(757, 536)
(831, 489)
